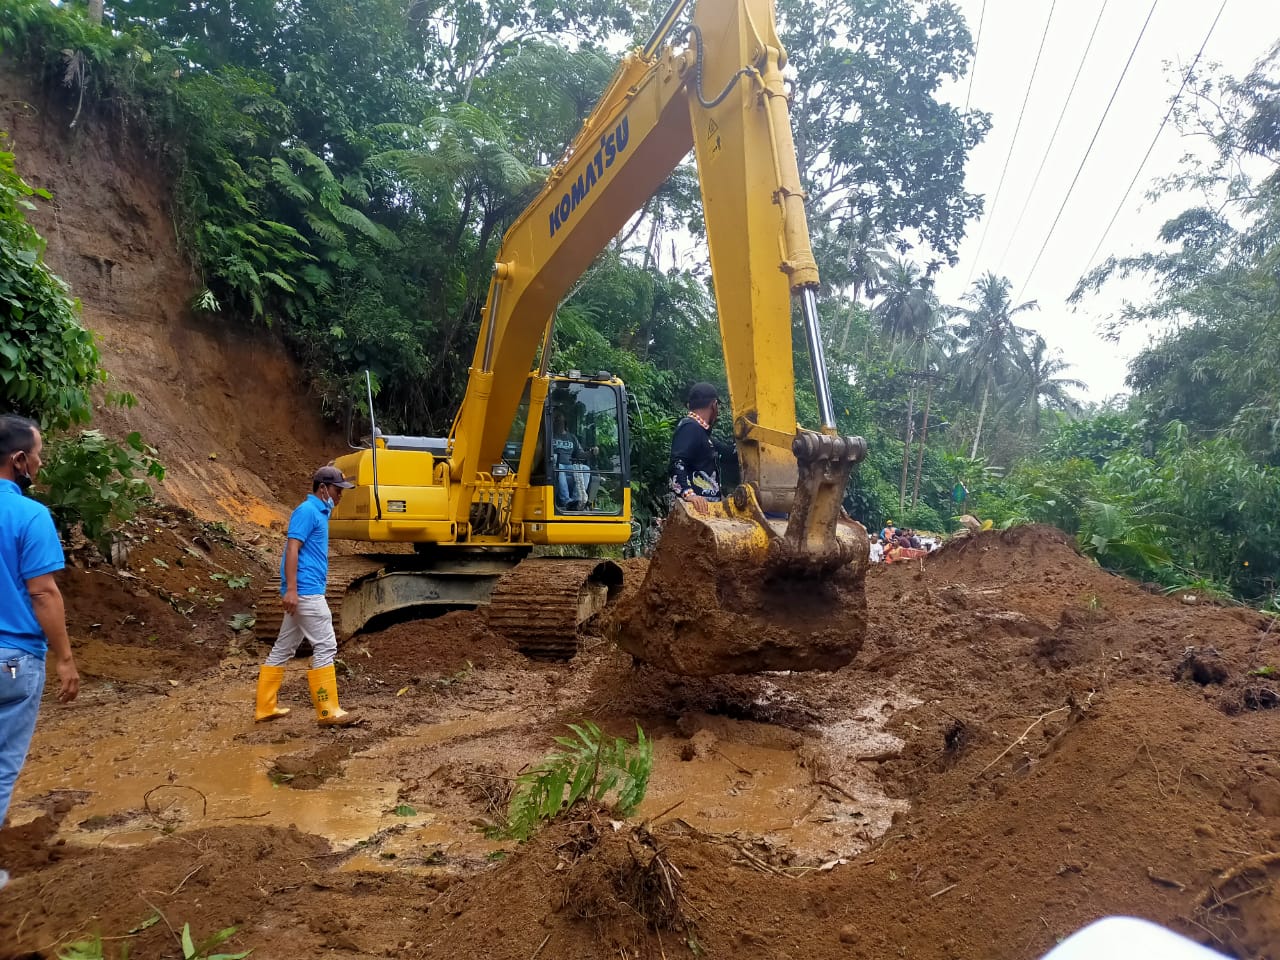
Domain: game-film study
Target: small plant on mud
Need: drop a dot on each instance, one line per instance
(202, 951)
(93, 950)
(587, 768)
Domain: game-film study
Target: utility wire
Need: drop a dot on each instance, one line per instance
(1012, 143)
(1089, 149)
(977, 44)
(1052, 137)
(1186, 78)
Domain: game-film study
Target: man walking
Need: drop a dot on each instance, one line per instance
(695, 454)
(304, 571)
(32, 617)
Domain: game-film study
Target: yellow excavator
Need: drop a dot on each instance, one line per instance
(536, 458)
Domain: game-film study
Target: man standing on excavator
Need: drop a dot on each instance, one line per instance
(304, 572)
(695, 454)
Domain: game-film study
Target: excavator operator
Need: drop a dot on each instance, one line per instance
(695, 453)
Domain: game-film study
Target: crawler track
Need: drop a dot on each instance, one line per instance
(540, 604)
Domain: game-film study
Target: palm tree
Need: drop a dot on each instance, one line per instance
(907, 305)
(909, 318)
(868, 263)
(1041, 385)
(991, 340)
(928, 350)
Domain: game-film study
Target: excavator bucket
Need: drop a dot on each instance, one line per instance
(737, 591)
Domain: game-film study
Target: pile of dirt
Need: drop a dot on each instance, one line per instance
(701, 613)
(209, 879)
(163, 610)
(1064, 764)
(459, 640)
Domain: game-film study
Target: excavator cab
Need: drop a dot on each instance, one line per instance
(582, 462)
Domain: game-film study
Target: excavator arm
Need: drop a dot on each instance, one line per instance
(715, 86)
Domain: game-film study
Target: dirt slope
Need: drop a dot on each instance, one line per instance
(222, 402)
(1059, 746)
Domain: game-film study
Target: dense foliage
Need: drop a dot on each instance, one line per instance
(48, 362)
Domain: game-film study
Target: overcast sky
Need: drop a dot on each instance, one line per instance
(1011, 33)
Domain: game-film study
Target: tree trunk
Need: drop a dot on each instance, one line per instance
(924, 436)
(982, 413)
(95, 12)
(906, 448)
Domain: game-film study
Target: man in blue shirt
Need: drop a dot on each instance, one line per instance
(32, 617)
(304, 571)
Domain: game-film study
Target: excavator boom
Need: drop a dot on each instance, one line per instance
(714, 86)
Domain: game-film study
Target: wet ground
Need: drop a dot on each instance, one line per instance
(1025, 743)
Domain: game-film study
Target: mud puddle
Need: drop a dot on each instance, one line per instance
(418, 793)
(810, 794)
(186, 765)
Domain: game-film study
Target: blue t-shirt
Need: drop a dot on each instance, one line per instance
(309, 523)
(29, 548)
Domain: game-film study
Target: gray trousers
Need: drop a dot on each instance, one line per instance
(311, 621)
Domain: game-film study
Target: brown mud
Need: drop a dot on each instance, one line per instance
(701, 613)
(1025, 743)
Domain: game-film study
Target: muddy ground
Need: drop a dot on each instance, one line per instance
(1025, 743)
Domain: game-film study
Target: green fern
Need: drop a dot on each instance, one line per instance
(587, 769)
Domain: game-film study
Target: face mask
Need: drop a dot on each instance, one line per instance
(327, 500)
(22, 475)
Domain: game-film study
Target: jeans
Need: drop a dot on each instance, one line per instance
(571, 483)
(20, 691)
(313, 621)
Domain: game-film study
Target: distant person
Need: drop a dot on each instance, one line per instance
(889, 532)
(304, 574)
(877, 549)
(695, 454)
(572, 472)
(32, 616)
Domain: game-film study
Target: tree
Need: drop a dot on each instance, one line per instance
(989, 340)
(907, 306)
(1041, 385)
(1215, 364)
(872, 135)
(928, 351)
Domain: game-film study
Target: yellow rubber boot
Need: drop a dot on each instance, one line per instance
(269, 679)
(324, 694)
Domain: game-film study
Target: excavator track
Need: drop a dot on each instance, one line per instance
(343, 571)
(540, 604)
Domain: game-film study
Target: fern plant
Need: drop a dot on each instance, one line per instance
(586, 769)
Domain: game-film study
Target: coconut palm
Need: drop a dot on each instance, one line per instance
(908, 303)
(867, 262)
(1041, 385)
(928, 352)
(990, 341)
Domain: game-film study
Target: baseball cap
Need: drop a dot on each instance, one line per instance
(332, 476)
(701, 394)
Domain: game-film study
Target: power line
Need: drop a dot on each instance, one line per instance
(1054, 136)
(1089, 149)
(1186, 78)
(1012, 143)
(973, 67)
